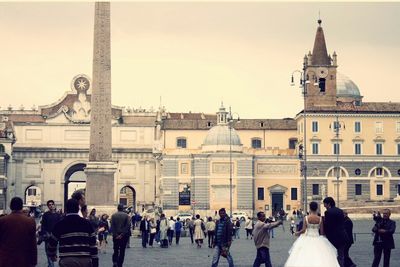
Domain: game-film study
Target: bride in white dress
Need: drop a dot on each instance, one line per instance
(312, 248)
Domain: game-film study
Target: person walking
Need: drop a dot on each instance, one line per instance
(75, 238)
(17, 237)
(178, 230)
(80, 197)
(249, 228)
(261, 239)
(49, 219)
(144, 228)
(199, 229)
(348, 226)
(153, 231)
(120, 227)
(236, 228)
(334, 228)
(191, 229)
(383, 240)
(210, 228)
(102, 233)
(223, 239)
(94, 221)
(171, 230)
(164, 225)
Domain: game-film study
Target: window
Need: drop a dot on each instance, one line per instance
(260, 193)
(357, 127)
(315, 148)
(315, 126)
(209, 124)
(379, 148)
(398, 127)
(398, 189)
(358, 189)
(398, 148)
(357, 148)
(292, 143)
(31, 191)
(357, 172)
(336, 149)
(379, 189)
(315, 189)
(378, 127)
(293, 193)
(256, 143)
(181, 142)
(322, 85)
(1, 148)
(378, 172)
(336, 126)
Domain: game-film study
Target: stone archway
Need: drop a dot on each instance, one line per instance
(127, 197)
(75, 179)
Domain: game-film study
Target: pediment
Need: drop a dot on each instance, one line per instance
(277, 188)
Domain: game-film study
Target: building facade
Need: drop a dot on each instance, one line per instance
(201, 162)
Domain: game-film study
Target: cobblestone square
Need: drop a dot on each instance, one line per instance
(243, 250)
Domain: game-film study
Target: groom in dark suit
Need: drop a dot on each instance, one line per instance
(334, 228)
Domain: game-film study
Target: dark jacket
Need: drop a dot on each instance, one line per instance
(385, 239)
(334, 227)
(120, 224)
(348, 226)
(144, 226)
(49, 220)
(226, 233)
(17, 240)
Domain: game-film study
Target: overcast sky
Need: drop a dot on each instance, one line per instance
(195, 55)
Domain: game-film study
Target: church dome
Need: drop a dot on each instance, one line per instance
(222, 138)
(219, 135)
(345, 87)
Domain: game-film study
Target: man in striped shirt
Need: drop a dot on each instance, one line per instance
(76, 239)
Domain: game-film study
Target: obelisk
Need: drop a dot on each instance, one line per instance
(100, 168)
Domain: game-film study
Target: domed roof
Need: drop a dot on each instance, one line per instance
(219, 136)
(345, 87)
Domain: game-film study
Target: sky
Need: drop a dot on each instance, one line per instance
(193, 56)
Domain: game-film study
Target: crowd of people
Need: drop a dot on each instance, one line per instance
(75, 238)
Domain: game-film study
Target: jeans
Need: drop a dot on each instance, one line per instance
(145, 238)
(119, 251)
(217, 255)
(262, 257)
(170, 236)
(191, 232)
(378, 249)
(151, 239)
(237, 233)
(50, 263)
(177, 236)
(210, 238)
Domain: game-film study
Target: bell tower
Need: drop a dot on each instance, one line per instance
(320, 72)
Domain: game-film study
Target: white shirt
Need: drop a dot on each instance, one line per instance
(172, 225)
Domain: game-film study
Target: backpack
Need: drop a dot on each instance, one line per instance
(237, 224)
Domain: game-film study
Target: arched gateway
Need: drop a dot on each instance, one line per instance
(75, 179)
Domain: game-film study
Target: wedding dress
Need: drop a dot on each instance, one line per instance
(312, 250)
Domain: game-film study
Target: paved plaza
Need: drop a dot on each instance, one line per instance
(243, 251)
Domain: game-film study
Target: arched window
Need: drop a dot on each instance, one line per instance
(181, 142)
(332, 172)
(256, 143)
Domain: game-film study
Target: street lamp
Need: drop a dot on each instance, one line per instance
(230, 122)
(304, 81)
(337, 126)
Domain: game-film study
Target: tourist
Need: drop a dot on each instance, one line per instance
(171, 230)
(191, 228)
(49, 219)
(383, 240)
(120, 227)
(178, 229)
(94, 221)
(17, 237)
(164, 225)
(75, 238)
(223, 239)
(249, 228)
(199, 229)
(210, 228)
(102, 232)
(348, 226)
(153, 231)
(144, 229)
(80, 197)
(261, 239)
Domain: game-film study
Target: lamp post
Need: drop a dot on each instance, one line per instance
(303, 84)
(230, 121)
(337, 128)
